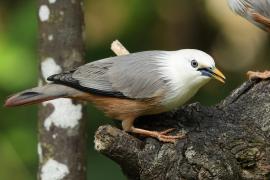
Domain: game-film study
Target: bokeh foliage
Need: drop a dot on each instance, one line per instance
(140, 25)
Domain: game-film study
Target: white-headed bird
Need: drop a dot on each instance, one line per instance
(258, 13)
(126, 87)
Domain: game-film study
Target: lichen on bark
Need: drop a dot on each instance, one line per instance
(62, 141)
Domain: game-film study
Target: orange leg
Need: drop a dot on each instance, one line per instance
(258, 75)
(161, 136)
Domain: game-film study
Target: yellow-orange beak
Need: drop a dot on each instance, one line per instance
(218, 75)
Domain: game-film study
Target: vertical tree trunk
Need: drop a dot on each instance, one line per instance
(61, 148)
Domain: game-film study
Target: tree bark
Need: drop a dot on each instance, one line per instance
(227, 141)
(62, 139)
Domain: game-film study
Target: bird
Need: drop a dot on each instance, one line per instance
(258, 13)
(129, 86)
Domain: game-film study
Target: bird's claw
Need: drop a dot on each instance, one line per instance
(258, 75)
(163, 137)
(160, 135)
(167, 131)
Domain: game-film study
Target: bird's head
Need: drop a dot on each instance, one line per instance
(197, 67)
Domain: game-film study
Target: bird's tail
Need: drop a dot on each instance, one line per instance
(40, 94)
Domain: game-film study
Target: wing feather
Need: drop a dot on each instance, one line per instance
(136, 75)
(255, 11)
(260, 6)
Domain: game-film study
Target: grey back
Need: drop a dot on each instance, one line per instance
(136, 75)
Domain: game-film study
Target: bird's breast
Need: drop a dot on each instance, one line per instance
(178, 98)
(180, 92)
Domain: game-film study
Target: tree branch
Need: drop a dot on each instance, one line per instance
(118, 48)
(227, 141)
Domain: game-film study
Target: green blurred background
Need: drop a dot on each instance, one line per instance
(140, 25)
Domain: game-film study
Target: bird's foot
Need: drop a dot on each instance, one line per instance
(167, 131)
(161, 136)
(258, 75)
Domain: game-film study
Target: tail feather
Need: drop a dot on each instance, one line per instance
(40, 94)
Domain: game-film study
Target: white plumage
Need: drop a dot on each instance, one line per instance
(185, 80)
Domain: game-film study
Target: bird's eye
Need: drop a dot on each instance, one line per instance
(194, 63)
